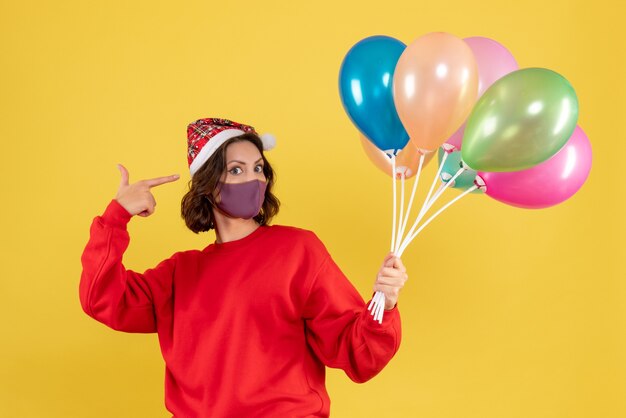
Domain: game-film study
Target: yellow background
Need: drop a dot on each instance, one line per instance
(508, 312)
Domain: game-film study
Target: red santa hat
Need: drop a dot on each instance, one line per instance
(205, 136)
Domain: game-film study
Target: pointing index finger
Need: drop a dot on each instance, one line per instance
(157, 181)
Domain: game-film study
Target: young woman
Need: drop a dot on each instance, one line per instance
(248, 324)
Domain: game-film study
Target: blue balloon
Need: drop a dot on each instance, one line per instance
(366, 89)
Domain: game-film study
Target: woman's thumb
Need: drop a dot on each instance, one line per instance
(124, 173)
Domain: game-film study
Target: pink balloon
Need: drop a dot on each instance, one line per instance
(548, 183)
(494, 61)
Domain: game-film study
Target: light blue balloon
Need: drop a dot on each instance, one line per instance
(366, 89)
(451, 166)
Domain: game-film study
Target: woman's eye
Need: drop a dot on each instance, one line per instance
(235, 170)
(258, 168)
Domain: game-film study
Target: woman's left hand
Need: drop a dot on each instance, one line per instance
(390, 280)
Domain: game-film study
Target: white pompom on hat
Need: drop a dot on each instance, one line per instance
(269, 141)
(205, 136)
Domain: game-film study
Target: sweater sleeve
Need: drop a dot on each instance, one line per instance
(121, 299)
(340, 329)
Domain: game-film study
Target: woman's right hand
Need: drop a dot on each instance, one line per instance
(136, 198)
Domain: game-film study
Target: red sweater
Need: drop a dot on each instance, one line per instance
(246, 327)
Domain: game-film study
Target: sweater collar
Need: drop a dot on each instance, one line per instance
(233, 245)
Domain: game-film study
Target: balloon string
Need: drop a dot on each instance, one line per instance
(442, 188)
(432, 186)
(373, 301)
(421, 212)
(379, 297)
(399, 229)
(377, 306)
(429, 220)
(393, 180)
(381, 309)
(408, 211)
(430, 201)
(377, 303)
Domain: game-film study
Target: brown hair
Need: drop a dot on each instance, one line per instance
(197, 204)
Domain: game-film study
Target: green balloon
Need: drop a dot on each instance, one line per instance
(451, 167)
(523, 119)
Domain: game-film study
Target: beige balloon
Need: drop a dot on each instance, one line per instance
(435, 85)
(407, 160)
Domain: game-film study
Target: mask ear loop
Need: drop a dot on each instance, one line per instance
(211, 200)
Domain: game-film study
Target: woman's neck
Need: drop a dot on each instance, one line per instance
(231, 229)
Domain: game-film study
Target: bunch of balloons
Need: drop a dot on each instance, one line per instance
(506, 132)
(514, 128)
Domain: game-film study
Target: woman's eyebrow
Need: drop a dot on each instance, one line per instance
(241, 162)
